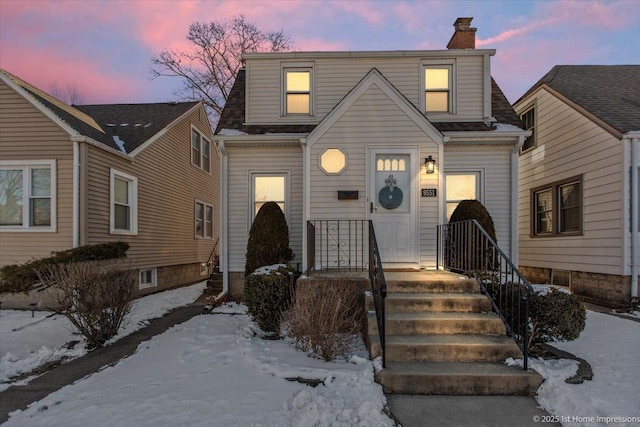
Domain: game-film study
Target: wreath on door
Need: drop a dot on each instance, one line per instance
(390, 196)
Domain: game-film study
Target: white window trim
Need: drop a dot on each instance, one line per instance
(134, 203)
(154, 278)
(202, 136)
(287, 193)
(479, 173)
(453, 93)
(307, 66)
(204, 220)
(25, 227)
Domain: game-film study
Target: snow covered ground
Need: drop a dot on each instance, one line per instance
(29, 342)
(217, 370)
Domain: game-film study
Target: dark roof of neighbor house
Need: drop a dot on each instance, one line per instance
(610, 92)
(134, 124)
(122, 127)
(233, 115)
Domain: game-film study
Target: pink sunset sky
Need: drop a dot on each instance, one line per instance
(104, 48)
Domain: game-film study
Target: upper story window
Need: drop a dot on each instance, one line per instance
(297, 82)
(437, 89)
(529, 123)
(556, 209)
(200, 150)
(124, 203)
(27, 195)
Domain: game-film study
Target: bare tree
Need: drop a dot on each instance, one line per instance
(68, 93)
(209, 70)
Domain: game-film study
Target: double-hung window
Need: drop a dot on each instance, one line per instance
(268, 187)
(556, 209)
(124, 203)
(203, 220)
(529, 123)
(297, 83)
(438, 87)
(461, 186)
(200, 150)
(28, 195)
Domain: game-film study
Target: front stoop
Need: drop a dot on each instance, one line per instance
(441, 338)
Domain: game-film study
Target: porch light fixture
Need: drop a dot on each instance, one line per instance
(430, 164)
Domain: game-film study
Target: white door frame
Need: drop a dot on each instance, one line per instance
(413, 261)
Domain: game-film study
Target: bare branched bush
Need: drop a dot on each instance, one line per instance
(323, 317)
(95, 296)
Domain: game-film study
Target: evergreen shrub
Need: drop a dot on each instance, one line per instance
(268, 242)
(23, 277)
(268, 295)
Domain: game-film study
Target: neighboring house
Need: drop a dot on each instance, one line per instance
(146, 174)
(396, 137)
(578, 204)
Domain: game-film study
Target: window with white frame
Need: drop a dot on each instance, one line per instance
(461, 186)
(148, 278)
(297, 84)
(203, 220)
(556, 208)
(200, 150)
(529, 123)
(268, 187)
(28, 195)
(438, 86)
(124, 203)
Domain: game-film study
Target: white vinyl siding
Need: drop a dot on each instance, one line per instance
(494, 167)
(242, 164)
(334, 77)
(568, 145)
(28, 195)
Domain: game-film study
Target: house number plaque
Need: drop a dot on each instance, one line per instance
(429, 192)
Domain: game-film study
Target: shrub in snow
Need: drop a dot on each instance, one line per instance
(268, 295)
(22, 277)
(323, 317)
(268, 239)
(555, 316)
(95, 296)
(464, 258)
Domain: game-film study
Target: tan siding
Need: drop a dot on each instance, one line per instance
(168, 185)
(568, 144)
(495, 164)
(27, 134)
(335, 77)
(243, 162)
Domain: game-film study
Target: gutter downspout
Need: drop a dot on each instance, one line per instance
(76, 194)
(634, 217)
(305, 201)
(224, 257)
(515, 181)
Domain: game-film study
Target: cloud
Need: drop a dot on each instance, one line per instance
(364, 9)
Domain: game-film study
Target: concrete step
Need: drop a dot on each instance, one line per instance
(457, 379)
(438, 323)
(400, 302)
(445, 348)
(458, 285)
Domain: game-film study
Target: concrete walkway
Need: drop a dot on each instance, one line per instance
(19, 397)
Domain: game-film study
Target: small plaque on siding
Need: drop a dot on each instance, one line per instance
(429, 192)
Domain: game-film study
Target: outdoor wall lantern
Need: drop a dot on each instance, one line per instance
(430, 164)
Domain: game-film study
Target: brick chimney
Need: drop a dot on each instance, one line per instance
(464, 36)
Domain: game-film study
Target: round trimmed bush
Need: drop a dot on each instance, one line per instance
(473, 209)
(268, 242)
(268, 295)
(555, 316)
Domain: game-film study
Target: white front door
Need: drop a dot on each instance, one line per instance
(393, 204)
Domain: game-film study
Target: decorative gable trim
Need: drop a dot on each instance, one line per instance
(167, 128)
(374, 77)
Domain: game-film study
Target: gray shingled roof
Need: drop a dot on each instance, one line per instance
(233, 115)
(610, 92)
(134, 123)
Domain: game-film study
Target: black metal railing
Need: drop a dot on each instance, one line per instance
(465, 247)
(378, 288)
(337, 245)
